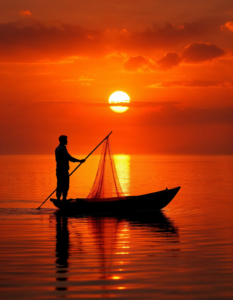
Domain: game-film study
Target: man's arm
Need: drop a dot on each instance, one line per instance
(71, 158)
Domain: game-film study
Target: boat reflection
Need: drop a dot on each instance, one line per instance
(157, 221)
(108, 244)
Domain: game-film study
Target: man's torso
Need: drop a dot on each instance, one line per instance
(62, 158)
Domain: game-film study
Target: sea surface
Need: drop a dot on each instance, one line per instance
(183, 252)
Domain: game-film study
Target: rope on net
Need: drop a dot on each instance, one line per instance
(106, 186)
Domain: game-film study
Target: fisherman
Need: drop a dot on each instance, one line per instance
(62, 170)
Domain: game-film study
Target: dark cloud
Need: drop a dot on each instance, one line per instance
(194, 53)
(168, 35)
(200, 52)
(106, 104)
(152, 103)
(170, 113)
(193, 83)
(29, 40)
(135, 63)
(35, 41)
(169, 60)
(171, 33)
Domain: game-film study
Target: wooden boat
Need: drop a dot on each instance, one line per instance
(152, 201)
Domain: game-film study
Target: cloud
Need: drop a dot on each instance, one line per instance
(69, 80)
(170, 113)
(135, 63)
(229, 25)
(169, 35)
(25, 13)
(196, 83)
(194, 53)
(30, 41)
(200, 52)
(169, 60)
(136, 104)
(85, 81)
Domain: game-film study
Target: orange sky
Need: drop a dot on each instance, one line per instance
(61, 60)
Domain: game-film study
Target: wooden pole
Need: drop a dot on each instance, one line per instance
(76, 168)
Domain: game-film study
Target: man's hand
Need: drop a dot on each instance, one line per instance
(82, 161)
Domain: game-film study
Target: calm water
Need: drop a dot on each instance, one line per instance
(183, 252)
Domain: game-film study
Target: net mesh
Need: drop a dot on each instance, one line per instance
(106, 186)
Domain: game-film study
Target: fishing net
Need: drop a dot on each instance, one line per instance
(106, 186)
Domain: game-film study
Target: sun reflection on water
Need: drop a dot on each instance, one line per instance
(116, 277)
(122, 163)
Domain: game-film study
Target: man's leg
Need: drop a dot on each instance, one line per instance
(59, 186)
(58, 195)
(66, 184)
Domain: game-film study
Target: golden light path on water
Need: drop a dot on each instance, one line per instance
(122, 163)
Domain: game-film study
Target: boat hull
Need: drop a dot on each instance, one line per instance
(152, 201)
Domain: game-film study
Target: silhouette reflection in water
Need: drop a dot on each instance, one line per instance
(106, 247)
(157, 221)
(62, 249)
(106, 232)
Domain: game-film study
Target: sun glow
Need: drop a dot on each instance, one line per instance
(119, 97)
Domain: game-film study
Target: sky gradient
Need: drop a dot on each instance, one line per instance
(61, 60)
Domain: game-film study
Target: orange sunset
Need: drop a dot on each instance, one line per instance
(116, 149)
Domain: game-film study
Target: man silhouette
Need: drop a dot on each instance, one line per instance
(62, 170)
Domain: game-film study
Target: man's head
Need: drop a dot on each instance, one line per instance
(63, 140)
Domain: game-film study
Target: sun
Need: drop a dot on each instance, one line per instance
(119, 97)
